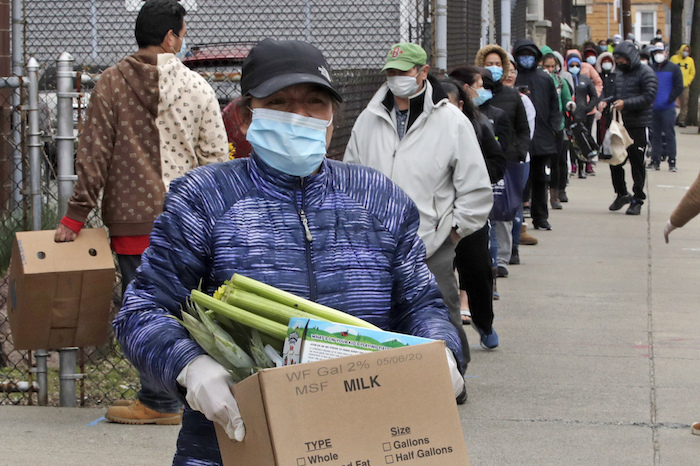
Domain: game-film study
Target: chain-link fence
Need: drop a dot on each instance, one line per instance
(353, 35)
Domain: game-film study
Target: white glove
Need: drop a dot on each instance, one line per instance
(571, 106)
(208, 387)
(456, 376)
(668, 229)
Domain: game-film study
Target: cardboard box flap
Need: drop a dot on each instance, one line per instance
(39, 253)
(250, 401)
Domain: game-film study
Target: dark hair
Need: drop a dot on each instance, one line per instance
(451, 86)
(549, 55)
(467, 74)
(155, 19)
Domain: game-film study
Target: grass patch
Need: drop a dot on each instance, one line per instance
(108, 378)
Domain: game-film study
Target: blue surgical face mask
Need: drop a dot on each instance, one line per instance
(483, 95)
(496, 72)
(183, 49)
(574, 69)
(526, 61)
(288, 142)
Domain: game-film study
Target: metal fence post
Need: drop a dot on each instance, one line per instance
(441, 35)
(67, 376)
(65, 138)
(34, 143)
(41, 371)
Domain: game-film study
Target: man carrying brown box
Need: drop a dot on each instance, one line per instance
(150, 120)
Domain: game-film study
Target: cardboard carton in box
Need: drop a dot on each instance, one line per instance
(60, 293)
(392, 407)
(310, 340)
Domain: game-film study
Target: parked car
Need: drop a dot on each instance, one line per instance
(220, 64)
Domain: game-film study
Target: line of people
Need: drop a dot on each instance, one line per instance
(380, 241)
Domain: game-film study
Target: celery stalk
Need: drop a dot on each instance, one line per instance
(239, 315)
(265, 307)
(234, 353)
(318, 310)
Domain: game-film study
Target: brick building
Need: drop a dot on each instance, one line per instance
(603, 18)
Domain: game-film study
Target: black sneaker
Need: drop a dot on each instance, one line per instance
(502, 272)
(620, 201)
(653, 166)
(635, 208)
(514, 256)
(462, 397)
(543, 225)
(672, 168)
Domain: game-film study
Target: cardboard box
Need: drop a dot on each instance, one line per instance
(60, 293)
(392, 407)
(310, 340)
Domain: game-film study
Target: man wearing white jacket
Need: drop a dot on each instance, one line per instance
(411, 134)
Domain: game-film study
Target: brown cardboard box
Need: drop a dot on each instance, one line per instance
(60, 293)
(388, 407)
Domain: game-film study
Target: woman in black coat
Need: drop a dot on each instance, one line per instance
(585, 99)
(472, 255)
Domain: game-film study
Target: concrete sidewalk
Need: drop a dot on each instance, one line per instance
(600, 335)
(598, 363)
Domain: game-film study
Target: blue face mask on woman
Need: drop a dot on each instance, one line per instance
(496, 72)
(288, 142)
(526, 61)
(483, 95)
(574, 69)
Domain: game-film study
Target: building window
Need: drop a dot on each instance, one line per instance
(645, 27)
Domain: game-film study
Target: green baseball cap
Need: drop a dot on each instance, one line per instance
(405, 56)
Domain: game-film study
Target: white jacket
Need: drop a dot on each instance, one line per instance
(438, 163)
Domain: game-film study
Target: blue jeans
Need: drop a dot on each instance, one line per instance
(150, 394)
(493, 243)
(518, 220)
(663, 133)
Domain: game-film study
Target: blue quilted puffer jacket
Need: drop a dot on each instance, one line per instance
(360, 254)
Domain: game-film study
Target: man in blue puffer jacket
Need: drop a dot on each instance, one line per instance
(670, 87)
(341, 235)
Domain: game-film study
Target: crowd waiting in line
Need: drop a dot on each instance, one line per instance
(439, 175)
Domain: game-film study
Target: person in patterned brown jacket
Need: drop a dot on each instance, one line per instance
(150, 120)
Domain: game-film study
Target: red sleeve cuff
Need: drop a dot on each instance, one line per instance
(74, 225)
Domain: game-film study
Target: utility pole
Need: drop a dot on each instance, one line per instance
(626, 18)
(677, 28)
(692, 118)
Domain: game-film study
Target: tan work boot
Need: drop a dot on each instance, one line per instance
(525, 238)
(123, 402)
(137, 413)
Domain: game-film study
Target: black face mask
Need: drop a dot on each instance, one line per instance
(624, 67)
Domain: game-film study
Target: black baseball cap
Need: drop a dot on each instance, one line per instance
(273, 65)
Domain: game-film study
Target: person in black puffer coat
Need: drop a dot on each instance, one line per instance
(606, 69)
(492, 57)
(585, 99)
(543, 145)
(634, 95)
(472, 255)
